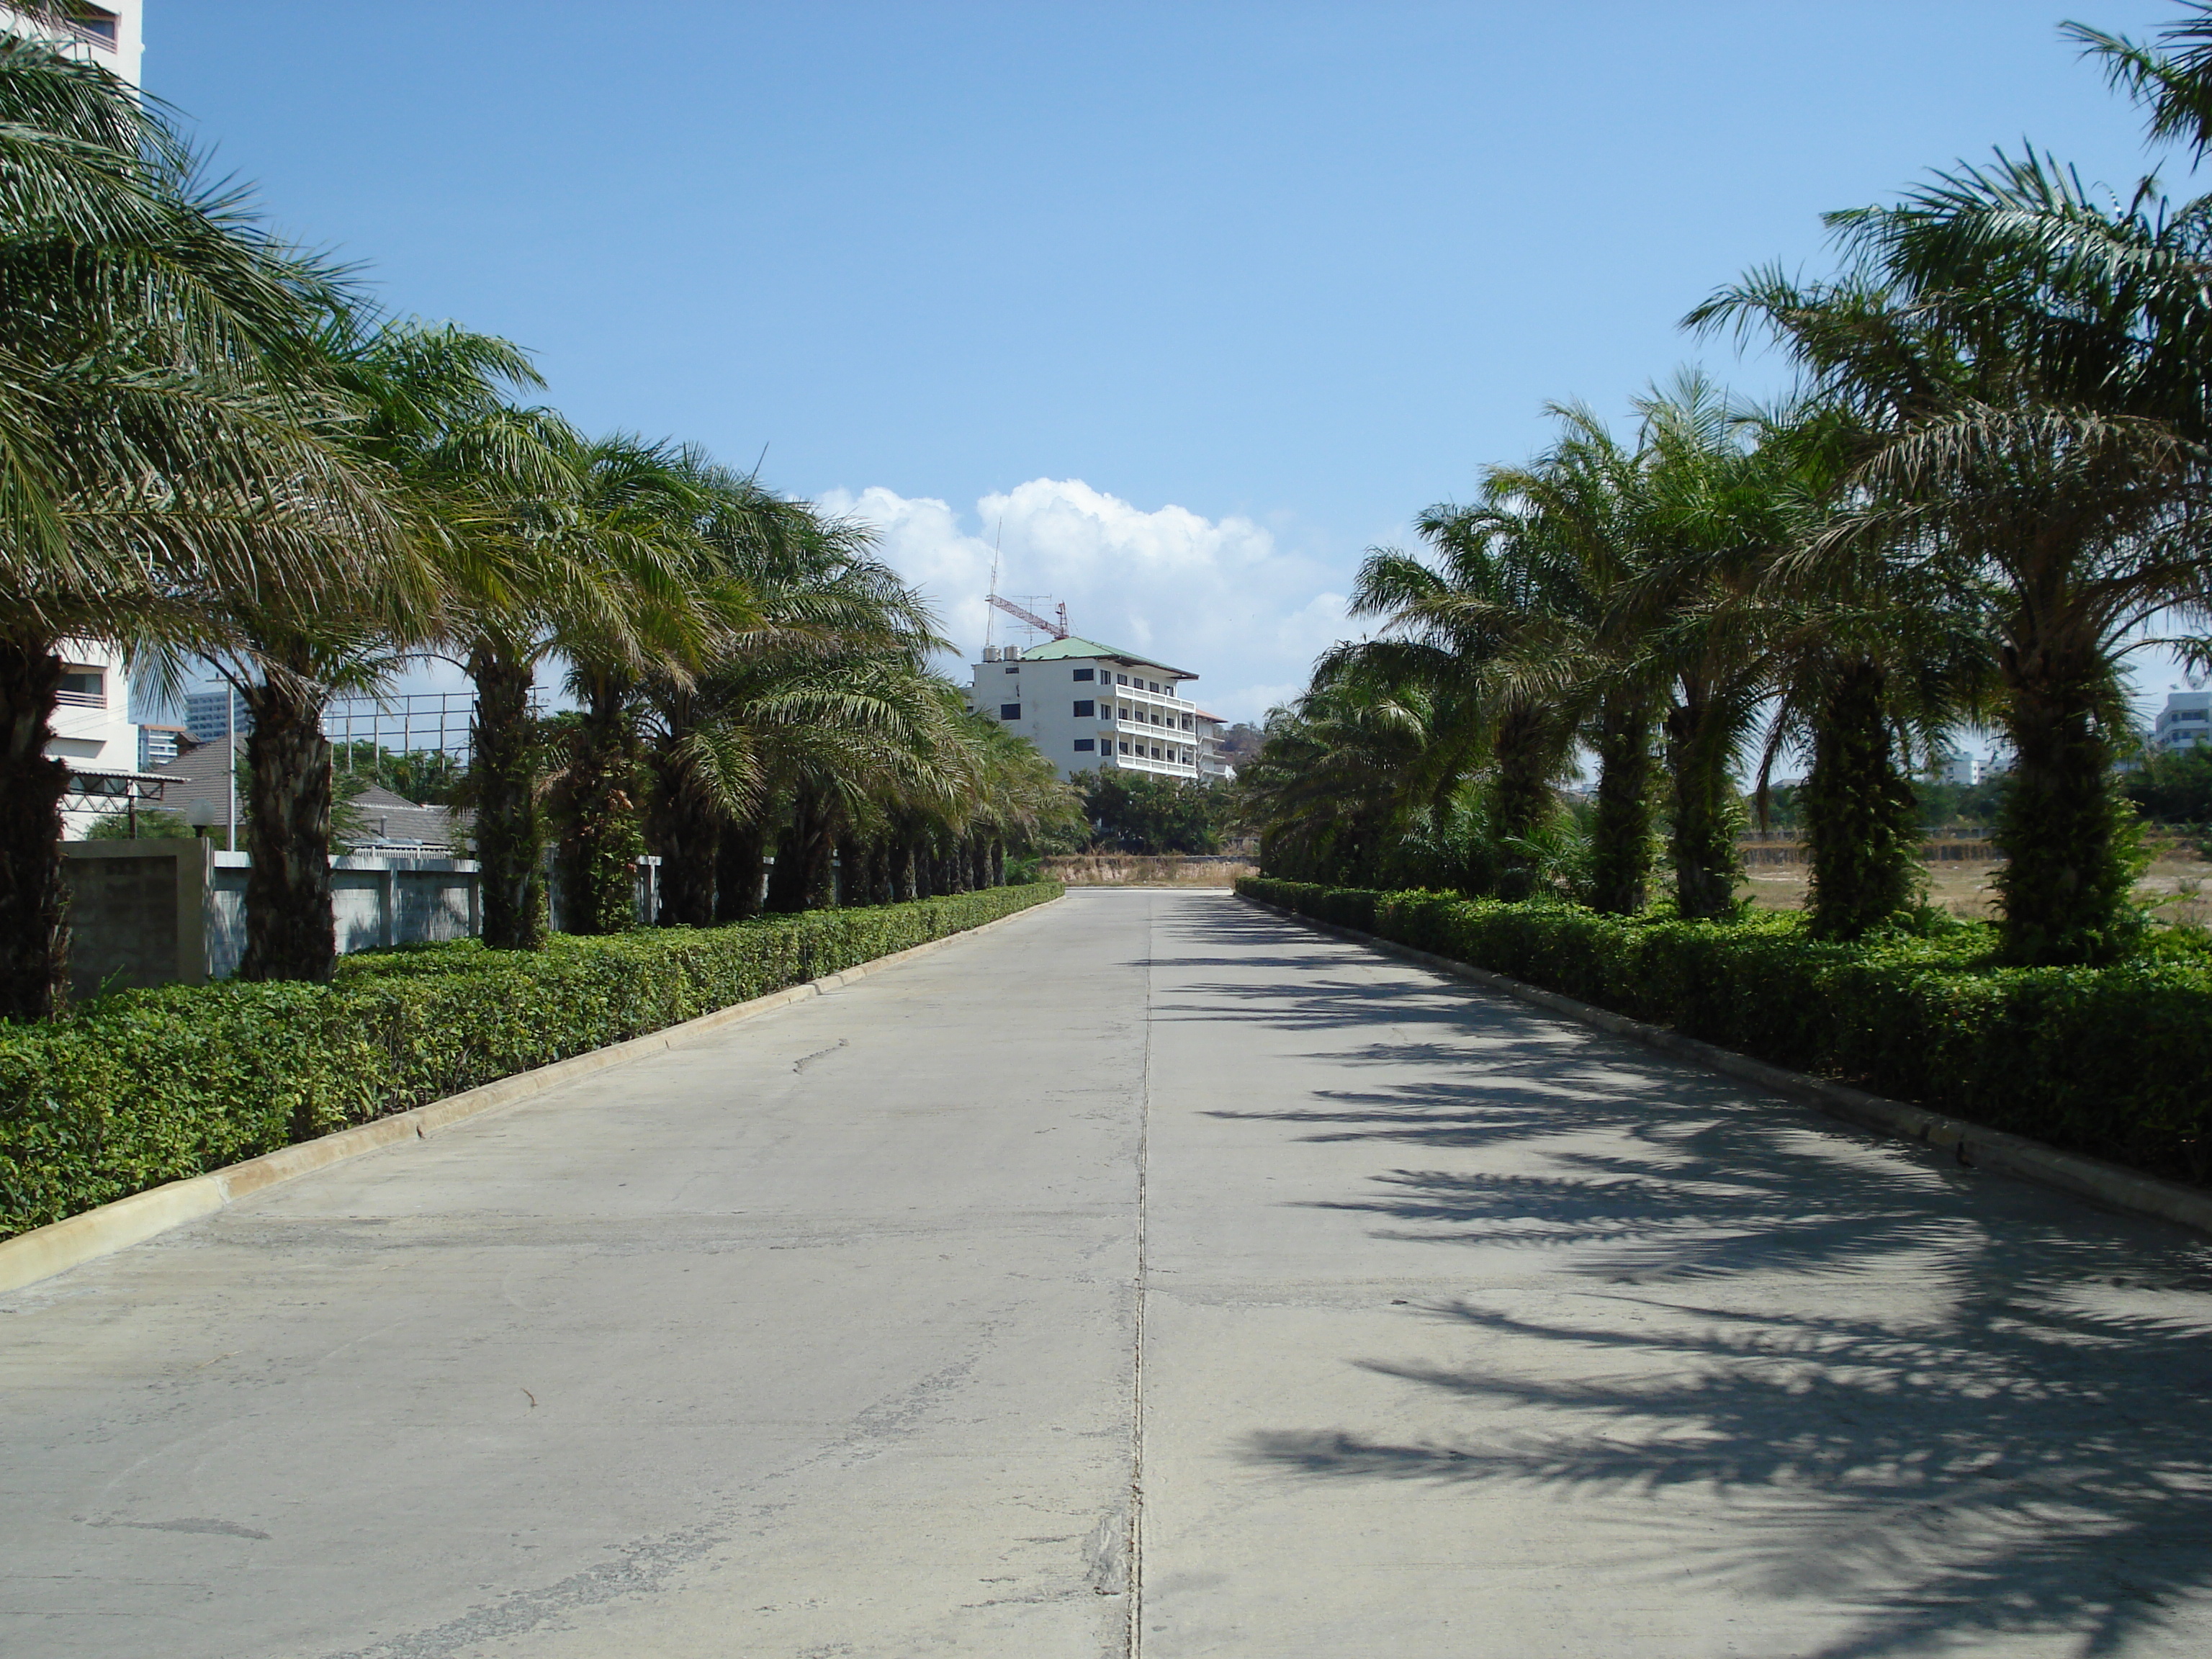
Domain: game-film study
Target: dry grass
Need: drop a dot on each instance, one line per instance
(2175, 882)
(1117, 869)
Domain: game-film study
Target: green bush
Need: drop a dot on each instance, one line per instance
(144, 1087)
(2111, 1061)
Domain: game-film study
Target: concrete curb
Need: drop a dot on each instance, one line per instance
(2112, 1185)
(45, 1251)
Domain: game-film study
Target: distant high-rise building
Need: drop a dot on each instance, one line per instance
(2185, 722)
(160, 745)
(1966, 769)
(205, 719)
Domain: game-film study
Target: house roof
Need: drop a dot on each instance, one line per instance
(198, 775)
(199, 772)
(1074, 646)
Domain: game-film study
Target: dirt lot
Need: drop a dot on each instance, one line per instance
(2179, 881)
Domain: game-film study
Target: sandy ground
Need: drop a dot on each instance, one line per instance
(2178, 881)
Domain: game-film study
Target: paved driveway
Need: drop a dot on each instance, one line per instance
(1420, 1324)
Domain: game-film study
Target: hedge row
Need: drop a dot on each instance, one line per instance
(144, 1087)
(2113, 1061)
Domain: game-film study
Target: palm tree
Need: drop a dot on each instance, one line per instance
(2029, 366)
(637, 507)
(426, 409)
(796, 693)
(1716, 507)
(159, 455)
(1345, 788)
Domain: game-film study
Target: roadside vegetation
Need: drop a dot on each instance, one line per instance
(1990, 487)
(144, 1087)
(221, 450)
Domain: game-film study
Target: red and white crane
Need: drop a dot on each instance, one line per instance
(1058, 630)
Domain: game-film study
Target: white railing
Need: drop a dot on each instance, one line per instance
(81, 699)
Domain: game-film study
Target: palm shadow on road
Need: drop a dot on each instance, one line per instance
(1952, 1408)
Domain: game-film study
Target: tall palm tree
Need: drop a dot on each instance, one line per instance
(424, 408)
(776, 689)
(1345, 785)
(637, 507)
(2030, 367)
(1716, 508)
(160, 452)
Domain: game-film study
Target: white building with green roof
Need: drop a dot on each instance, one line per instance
(1090, 707)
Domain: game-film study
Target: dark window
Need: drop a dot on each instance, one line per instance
(1083, 673)
(1125, 748)
(1014, 668)
(1120, 679)
(96, 21)
(1084, 708)
(1010, 711)
(1083, 745)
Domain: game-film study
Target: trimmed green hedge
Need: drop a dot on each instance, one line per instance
(2114, 1062)
(144, 1087)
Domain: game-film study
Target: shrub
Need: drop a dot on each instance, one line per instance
(144, 1087)
(2107, 1060)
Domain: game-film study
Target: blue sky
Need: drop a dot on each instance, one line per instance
(1185, 304)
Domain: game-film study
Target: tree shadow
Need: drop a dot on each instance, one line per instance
(1955, 1408)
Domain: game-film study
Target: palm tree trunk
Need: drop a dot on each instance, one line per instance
(998, 861)
(1860, 815)
(1620, 831)
(852, 872)
(291, 933)
(510, 827)
(687, 833)
(33, 895)
(879, 870)
(1521, 795)
(738, 869)
(979, 863)
(1702, 839)
(802, 877)
(821, 870)
(786, 878)
(600, 842)
(2063, 827)
(903, 867)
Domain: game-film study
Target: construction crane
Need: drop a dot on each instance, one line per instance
(1058, 630)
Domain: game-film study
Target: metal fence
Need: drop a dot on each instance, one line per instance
(405, 723)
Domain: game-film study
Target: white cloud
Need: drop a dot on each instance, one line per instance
(1218, 597)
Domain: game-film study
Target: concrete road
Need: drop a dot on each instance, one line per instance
(1418, 1323)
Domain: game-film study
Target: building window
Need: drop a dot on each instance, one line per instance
(1185, 722)
(1010, 711)
(1084, 708)
(84, 688)
(1120, 679)
(1125, 711)
(94, 23)
(1083, 673)
(1125, 748)
(1013, 668)
(1084, 746)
